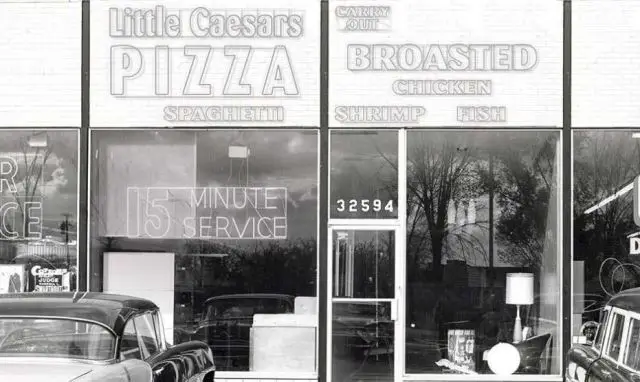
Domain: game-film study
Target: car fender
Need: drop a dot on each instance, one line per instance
(130, 371)
(186, 361)
(138, 370)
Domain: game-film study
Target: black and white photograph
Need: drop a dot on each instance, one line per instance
(319, 190)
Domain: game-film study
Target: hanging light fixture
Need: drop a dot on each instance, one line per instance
(38, 140)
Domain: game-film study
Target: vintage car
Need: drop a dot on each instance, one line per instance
(226, 322)
(612, 351)
(93, 337)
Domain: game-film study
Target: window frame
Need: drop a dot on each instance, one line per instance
(155, 318)
(129, 321)
(159, 327)
(623, 340)
(142, 315)
(604, 325)
(625, 343)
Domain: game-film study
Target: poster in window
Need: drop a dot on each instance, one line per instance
(12, 278)
(50, 280)
(461, 348)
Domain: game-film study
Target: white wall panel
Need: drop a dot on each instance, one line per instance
(40, 63)
(517, 90)
(605, 80)
(244, 62)
(122, 276)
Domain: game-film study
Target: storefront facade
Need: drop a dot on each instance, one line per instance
(328, 190)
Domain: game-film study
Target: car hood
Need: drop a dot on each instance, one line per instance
(32, 370)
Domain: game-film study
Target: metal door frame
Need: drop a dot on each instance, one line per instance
(397, 300)
(396, 224)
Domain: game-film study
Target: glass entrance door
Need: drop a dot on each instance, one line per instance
(363, 313)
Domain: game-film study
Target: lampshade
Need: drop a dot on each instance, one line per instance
(519, 288)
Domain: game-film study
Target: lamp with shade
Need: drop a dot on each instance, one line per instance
(519, 292)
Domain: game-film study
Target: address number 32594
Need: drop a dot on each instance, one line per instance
(364, 205)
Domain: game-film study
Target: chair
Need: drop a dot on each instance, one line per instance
(531, 360)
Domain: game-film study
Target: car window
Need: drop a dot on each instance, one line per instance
(601, 329)
(129, 347)
(60, 338)
(157, 322)
(615, 337)
(632, 358)
(147, 335)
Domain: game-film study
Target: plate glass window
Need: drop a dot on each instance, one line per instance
(482, 208)
(38, 210)
(606, 237)
(364, 174)
(226, 222)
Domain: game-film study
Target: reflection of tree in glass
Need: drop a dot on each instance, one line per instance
(374, 272)
(604, 162)
(364, 166)
(287, 267)
(523, 181)
(438, 172)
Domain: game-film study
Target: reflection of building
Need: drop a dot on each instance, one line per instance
(47, 251)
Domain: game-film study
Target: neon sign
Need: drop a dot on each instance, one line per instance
(20, 215)
(258, 213)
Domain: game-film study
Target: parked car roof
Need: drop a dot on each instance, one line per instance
(628, 299)
(274, 296)
(108, 309)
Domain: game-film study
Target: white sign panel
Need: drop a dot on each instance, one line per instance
(40, 63)
(204, 63)
(446, 63)
(605, 85)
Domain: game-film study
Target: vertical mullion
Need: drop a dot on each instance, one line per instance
(401, 258)
(567, 187)
(323, 270)
(83, 160)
